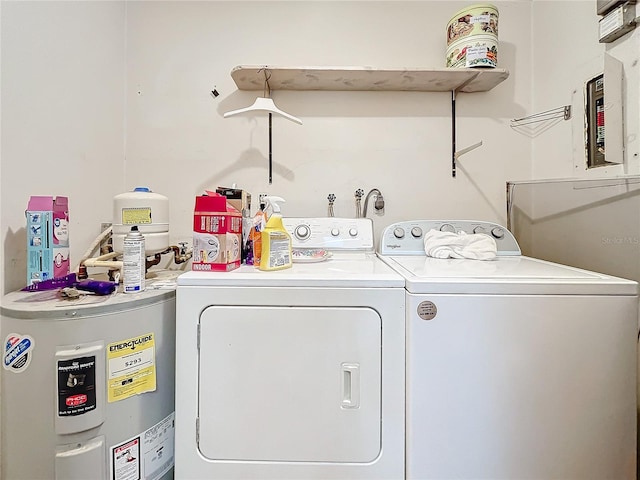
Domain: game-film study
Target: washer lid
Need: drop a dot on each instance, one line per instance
(505, 275)
(341, 270)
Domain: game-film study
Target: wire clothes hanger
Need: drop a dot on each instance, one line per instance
(266, 103)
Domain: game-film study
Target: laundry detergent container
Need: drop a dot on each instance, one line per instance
(147, 210)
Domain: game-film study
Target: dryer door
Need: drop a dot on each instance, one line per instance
(288, 383)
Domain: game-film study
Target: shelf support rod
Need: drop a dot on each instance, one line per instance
(453, 133)
(455, 154)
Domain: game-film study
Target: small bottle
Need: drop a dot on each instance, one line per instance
(134, 262)
(276, 241)
(255, 235)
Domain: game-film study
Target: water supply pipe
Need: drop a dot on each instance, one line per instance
(378, 204)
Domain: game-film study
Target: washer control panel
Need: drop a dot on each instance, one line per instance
(331, 233)
(407, 238)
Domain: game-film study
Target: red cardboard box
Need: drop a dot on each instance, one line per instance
(217, 234)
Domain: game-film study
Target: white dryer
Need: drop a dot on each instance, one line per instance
(296, 373)
(517, 367)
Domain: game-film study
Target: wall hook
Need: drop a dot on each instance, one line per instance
(563, 113)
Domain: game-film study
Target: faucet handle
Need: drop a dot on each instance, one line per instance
(331, 198)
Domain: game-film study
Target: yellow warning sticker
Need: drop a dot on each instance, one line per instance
(136, 216)
(131, 367)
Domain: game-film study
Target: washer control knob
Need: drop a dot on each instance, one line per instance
(335, 232)
(447, 227)
(416, 232)
(398, 232)
(353, 232)
(479, 230)
(497, 232)
(302, 232)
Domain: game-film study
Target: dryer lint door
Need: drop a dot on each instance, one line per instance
(300, 384)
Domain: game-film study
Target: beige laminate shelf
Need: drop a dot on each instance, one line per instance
(453, 80)
(252, 77)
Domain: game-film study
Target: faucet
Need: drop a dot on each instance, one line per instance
(359, 193)
(378, 204)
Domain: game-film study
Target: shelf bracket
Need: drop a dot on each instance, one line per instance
(455, 154)
(459, 153)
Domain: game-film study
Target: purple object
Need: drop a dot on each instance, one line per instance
(97, 287)
(52, 284)
(94, 286)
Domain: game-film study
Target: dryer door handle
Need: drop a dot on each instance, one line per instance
(350, 385)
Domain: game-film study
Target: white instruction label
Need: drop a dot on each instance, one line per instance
(158, 447)
(125, 460)
(147, 456)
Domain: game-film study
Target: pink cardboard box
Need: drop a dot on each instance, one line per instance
(217, 234)
(47, 238)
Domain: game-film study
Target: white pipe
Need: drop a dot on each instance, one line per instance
(105, 233)
(92, 262)
(106, 256)
(105, 261)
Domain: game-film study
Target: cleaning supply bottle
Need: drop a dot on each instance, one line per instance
(276, 241)
(255, 234)
(134, 261)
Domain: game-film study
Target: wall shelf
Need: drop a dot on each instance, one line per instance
(454, 80)
(251, 77)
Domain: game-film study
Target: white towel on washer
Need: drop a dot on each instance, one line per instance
(475, 246)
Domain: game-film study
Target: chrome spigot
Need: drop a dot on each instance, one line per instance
(378, 204)
(359, 194)
(332, 199)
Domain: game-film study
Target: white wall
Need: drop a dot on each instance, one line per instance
(565, 54)
(64, 95)
(62, 118)
(82, 80)
(63, 76)
(179, 144)
(561, 69)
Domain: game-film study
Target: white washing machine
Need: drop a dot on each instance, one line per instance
(517, 367)
(296, 373)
